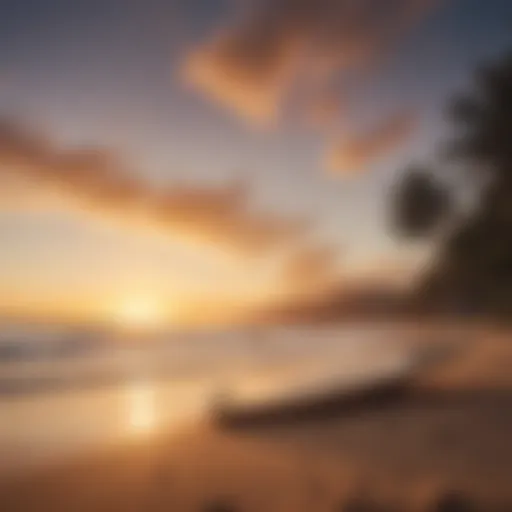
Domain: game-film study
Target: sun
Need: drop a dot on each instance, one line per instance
(140, 313)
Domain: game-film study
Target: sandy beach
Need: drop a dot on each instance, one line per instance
(442, 445)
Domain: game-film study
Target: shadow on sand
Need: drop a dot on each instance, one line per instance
(399, 395)
(459, 434)
(332, 405)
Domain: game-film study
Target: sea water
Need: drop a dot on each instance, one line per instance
(57, 404)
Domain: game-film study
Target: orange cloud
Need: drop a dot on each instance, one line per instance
(253, 64)
(354, 154)
(311, 269)
(245, 72)
(324, 110)
(97, 180)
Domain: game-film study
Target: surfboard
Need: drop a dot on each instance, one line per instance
(322, 384)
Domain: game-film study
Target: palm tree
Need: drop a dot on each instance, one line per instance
(475, 265)
(420, 204)
(483, 119)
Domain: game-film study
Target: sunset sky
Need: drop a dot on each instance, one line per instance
(201, 151)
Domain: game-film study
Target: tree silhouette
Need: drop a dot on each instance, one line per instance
(483, 119)
(474, 268)
(421, 203)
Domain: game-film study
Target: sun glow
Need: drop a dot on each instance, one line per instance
(141, 407)
(141, 313)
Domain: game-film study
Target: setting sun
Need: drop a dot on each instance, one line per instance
(140, 313)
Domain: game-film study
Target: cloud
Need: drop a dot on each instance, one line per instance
(96, 180)
(355, 153)
(248, 70)
(311, 269)
(324, 110)
(253, 64)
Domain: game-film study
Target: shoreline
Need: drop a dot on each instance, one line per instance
(450, 435)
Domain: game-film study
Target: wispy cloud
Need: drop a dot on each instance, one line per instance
(325, 110)
(253, 63)
(354, 153)
(97, 180)
(311, 269)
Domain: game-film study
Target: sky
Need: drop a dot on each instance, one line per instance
(217, 154)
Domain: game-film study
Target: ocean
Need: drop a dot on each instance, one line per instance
(57, 402)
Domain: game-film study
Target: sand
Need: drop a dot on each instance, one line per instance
(444, 446)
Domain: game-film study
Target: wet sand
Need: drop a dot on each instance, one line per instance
(444, 445)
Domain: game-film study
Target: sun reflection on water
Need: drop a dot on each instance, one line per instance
(142, 413)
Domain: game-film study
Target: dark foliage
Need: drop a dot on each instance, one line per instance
(420, 204)
(474, 269)
(483, 121)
